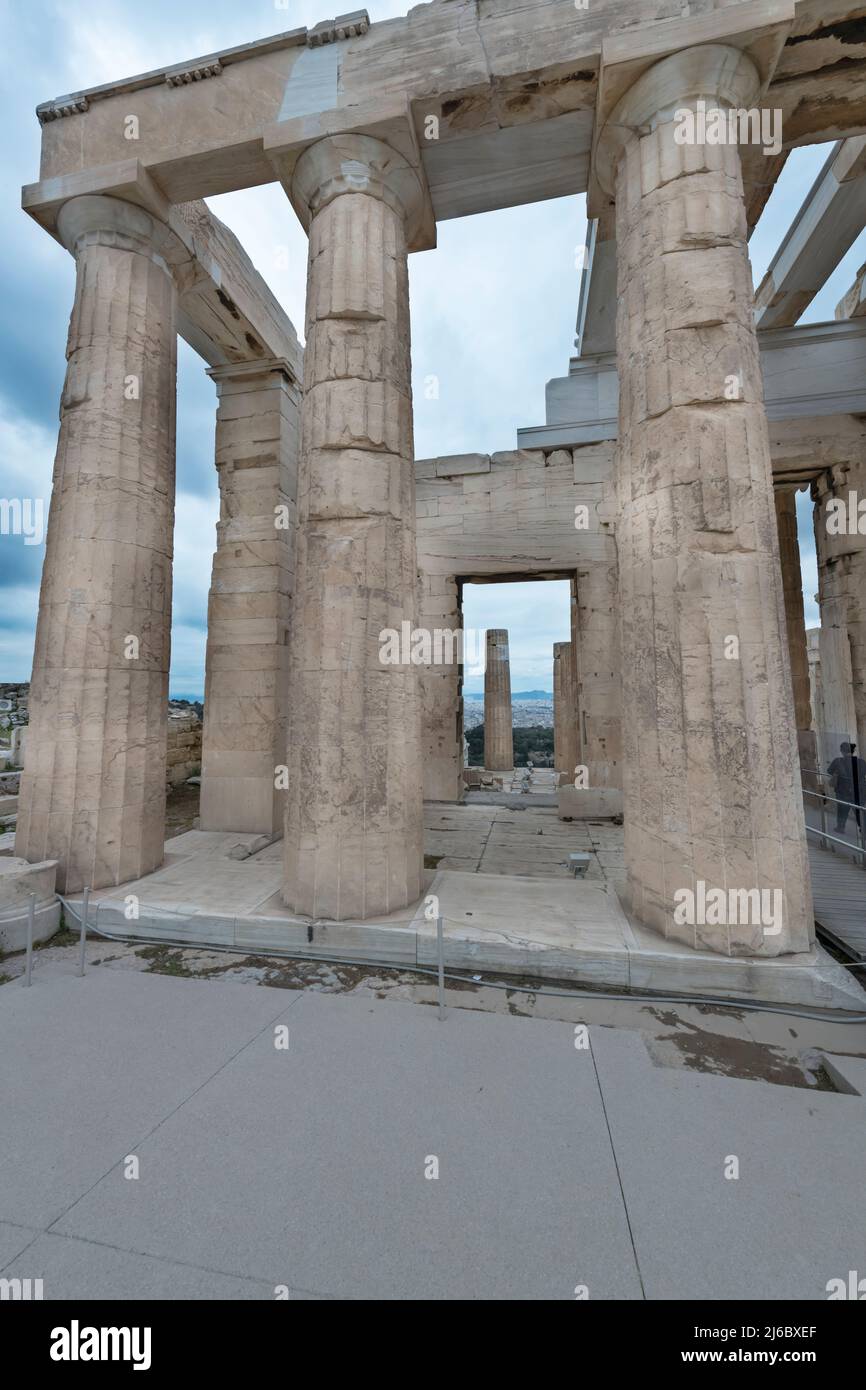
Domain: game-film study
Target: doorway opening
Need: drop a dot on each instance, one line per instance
(536, 615)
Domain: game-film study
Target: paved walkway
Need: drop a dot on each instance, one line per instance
(558, 1166)
(531, 841)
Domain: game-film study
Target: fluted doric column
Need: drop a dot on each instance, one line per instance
(93, 793)
(353, 843)
(498, 735)
(839, 495)
(792, 587)
(565, 730)
(711, 779)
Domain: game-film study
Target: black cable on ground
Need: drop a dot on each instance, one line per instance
(713, 1001)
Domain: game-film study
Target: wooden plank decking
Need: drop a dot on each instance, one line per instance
(839, 893)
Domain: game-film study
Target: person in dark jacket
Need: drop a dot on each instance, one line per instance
(848, 774)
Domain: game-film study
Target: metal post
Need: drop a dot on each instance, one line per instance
(31, 919)
(823, 820)
(82, 940)
(440, 948)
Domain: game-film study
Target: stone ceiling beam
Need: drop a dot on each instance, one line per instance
(820, 81)
(230, 314)
(804, 447)
(831, 218)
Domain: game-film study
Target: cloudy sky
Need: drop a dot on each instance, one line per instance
(493, 311)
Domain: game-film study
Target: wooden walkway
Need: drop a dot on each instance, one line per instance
(839, 893)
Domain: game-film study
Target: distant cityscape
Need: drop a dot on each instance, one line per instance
(529, 709)
(515, 694)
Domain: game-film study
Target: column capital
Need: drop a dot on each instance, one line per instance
(717, 73)
(96, 219)
(353, 163)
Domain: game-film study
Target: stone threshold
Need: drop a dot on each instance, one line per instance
(552, 929)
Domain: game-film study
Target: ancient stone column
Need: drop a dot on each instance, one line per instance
(498, 736)
(440, 685)
(840, 541)
(565, 741)
(712, 798)
(249, 607)
(353, 846)
(595, 636)
(792, 588)
(93, 791)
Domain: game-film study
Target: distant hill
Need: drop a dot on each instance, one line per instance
(515, 695)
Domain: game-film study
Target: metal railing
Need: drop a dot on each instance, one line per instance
(31, 928)
(822, 798)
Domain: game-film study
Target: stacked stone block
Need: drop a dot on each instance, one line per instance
(249, 605)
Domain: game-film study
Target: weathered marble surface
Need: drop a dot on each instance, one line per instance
(353, 844)
(792, 588)
(93, 790)
(498, 737)
(841, 554)
(710, 770)
(565, 706)
(249, 606)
